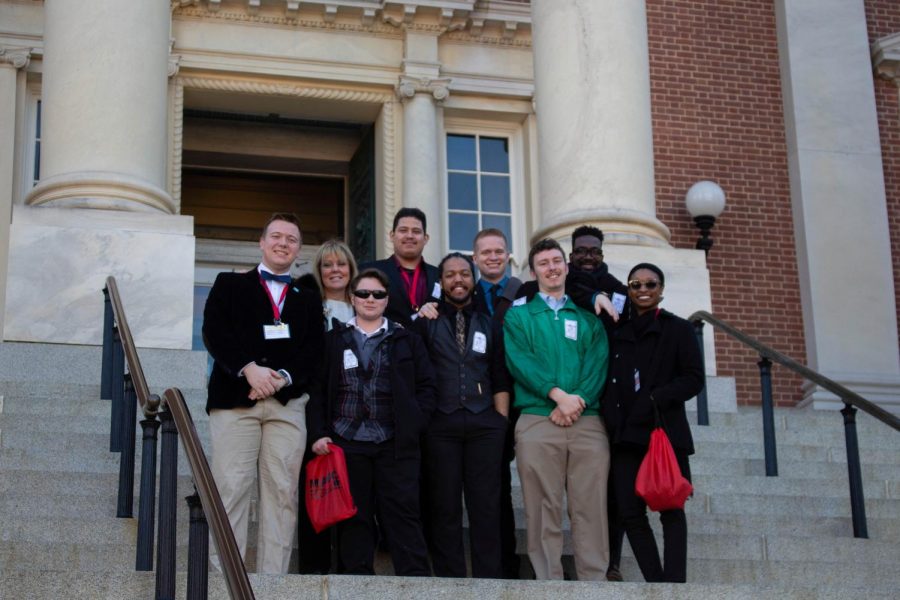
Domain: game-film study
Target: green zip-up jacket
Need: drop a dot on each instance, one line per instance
(544, 350)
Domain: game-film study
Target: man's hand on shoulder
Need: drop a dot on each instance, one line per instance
(602, 303)
(429, 310)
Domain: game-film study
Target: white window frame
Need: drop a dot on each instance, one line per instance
(518, 209)
(32, 97)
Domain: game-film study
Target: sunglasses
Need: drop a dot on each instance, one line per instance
(377, 294)
(582, 251)
(637, 285)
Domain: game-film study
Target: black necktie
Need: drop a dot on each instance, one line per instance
(461, 331)
(273, 277)
(494, 294)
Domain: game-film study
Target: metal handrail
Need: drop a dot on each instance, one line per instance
(229, 554)
(847, 395)
(149, 403)
(173, 410)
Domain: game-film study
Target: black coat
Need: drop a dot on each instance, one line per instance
(399, 309)
(672, 373)
(412, 387)
(233, 319)
(582, 285)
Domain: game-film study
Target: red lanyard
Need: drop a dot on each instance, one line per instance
(412, 283)
(276, 312)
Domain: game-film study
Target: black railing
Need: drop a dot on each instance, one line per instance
(852, 401)
(173, 418)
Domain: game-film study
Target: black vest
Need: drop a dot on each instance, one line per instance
(464, 380)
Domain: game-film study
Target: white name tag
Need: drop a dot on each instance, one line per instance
(436, 290)
(618, 301)
(479, 343)
(350, 360)
(571, 329)
(281, 331)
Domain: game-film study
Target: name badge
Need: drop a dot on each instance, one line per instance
(479, 343)
(436, 290)
(571, 329)
(618, 301)
(350, 360)
(281, 331)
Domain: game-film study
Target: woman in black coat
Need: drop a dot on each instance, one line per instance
(655, 360)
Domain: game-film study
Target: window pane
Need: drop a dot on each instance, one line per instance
(494, 154)
(461, 152)
(495, 193)
(463, 228)
(497, 222)
(463, 191)
(37, 125)
(37, 162)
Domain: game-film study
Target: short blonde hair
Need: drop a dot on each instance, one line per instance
(341, 250)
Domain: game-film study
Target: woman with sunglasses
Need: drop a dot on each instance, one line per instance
(655, 361)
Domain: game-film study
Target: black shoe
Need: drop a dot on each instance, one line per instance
(613, 574)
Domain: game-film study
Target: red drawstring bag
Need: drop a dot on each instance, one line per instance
(659, 480)
(328, 499)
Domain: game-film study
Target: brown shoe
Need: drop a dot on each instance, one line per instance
(613, 574)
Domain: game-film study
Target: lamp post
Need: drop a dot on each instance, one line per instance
(705, 201)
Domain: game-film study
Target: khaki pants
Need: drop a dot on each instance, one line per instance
(267, 439)
(553, 461)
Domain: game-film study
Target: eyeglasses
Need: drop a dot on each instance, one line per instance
(636, 285)
(377, 294)
(582, 251)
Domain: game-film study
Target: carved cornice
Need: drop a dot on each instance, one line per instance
(282, 89)
(496, 23)
(886, 57)
(408, 86)
(18, 58)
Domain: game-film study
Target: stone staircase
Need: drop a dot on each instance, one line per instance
(749, 535)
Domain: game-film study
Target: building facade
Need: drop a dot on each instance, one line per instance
(150, 140)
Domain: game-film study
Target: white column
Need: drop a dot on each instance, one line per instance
(11, 60)
(838, 197)
(592, 100)
(104, 105)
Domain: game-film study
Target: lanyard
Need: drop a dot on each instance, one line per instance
(276, 312)
(412, 283)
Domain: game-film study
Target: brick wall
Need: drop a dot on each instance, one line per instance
(883, 17)
(717, 114)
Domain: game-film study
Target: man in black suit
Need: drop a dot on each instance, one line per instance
(265, 335)
(413, 281)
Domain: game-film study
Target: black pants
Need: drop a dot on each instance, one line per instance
(626, 460)
(509, 558)
(378, 476)
(464, 454)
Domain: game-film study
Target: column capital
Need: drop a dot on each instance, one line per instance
(886, 57)
(18, 58)
(409, 86)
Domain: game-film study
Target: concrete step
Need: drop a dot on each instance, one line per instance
(64, 556)
(799, 469)
(53, 584)
(807, 436)
(869, 455)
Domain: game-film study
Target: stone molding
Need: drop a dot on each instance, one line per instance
(409, 86)
(496, 22)
(387, 100)
(17, 58)
(177, 143)
(886, 57)
(100, 189)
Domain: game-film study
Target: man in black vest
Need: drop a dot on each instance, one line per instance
(265, 336)
(413, 281)
(464, 440)
(373, 398)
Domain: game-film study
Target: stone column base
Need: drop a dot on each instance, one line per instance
(883, 390)
(59, 259)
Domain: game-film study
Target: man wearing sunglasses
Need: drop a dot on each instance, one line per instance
(589, 283)
(373, 397)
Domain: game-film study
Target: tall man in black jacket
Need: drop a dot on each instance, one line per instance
(413, 281)
(265, 336)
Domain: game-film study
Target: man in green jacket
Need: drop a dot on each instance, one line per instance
(557, 354)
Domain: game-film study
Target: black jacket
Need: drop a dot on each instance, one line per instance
(233, 319)
(582, 285)
(399, 309)
(672, 372)
(412, 387)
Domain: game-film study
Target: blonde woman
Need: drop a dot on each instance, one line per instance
(333, 268)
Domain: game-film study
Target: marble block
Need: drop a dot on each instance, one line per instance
(59, 259)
